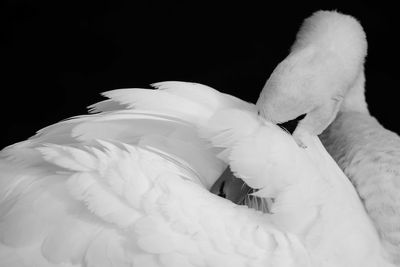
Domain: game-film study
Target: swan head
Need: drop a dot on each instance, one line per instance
(323, 65)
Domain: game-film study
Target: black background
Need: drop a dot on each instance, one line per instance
(59, 56)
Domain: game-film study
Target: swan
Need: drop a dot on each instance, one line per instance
(323, 69)
(128, 185)
(323, 77)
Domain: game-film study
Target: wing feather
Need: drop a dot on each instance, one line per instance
(118, 188)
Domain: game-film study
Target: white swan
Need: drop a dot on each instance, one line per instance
(325, 63)
(128, 187)
(323, 74)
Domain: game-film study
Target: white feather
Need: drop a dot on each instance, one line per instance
(132, 197)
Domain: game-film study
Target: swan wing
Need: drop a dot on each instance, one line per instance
(128, 187)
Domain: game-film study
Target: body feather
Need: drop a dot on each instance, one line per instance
(370, 156)
(130, 188)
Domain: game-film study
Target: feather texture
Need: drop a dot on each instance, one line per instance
(370, 156)
(130, 187)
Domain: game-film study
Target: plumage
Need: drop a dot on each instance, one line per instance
(370, 156)
(129, 186)
(325, 61)
(324, 75)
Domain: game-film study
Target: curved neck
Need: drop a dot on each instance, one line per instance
(354, 99)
